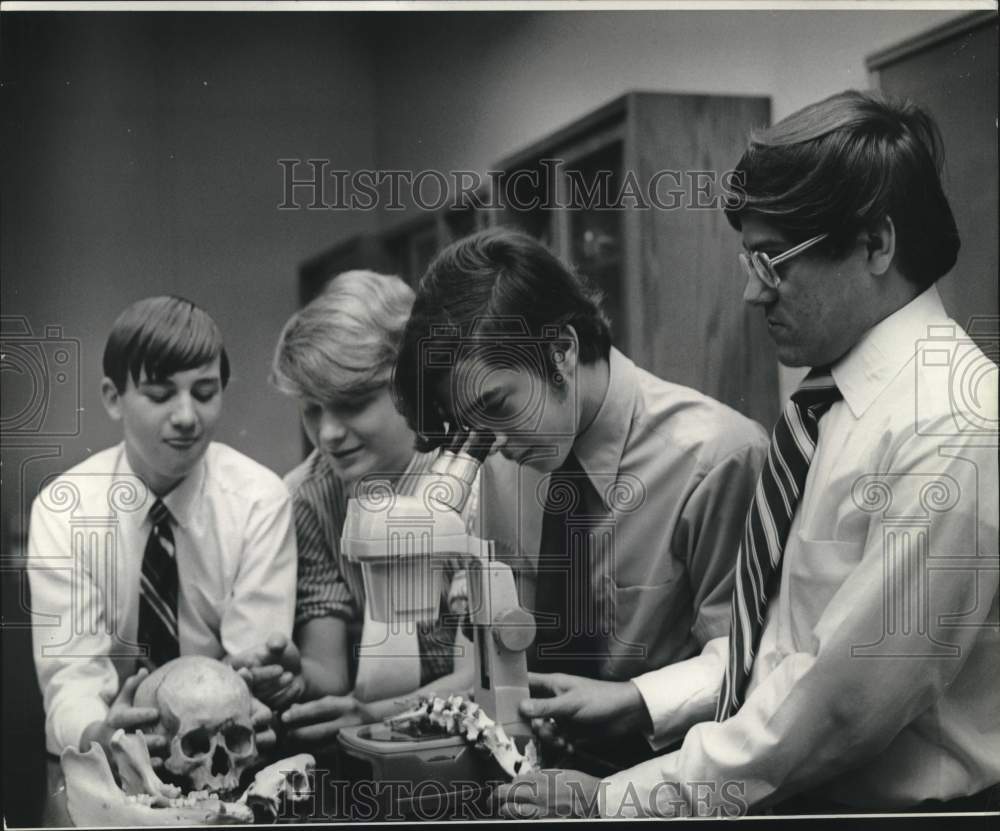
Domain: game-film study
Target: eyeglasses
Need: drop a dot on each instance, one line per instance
(760, 265)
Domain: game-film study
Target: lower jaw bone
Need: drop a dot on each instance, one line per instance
(95, 799)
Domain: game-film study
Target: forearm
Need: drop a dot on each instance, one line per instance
(324, 679)
(459, 682)
(324, 643)
(814, 715)
(75, 674)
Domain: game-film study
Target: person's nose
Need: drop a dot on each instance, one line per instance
(331, 429)
(756, 293)
(183, 415)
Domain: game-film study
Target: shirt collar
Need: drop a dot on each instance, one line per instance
(882, 352)
(599, 448)
(181, 501)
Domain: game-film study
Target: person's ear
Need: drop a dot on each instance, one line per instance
(111, 399)
(565, 352)
(881, 244)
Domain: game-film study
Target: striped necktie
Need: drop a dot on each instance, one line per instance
(769, 519)
(158, 590)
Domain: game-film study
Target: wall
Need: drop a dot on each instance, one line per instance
(142, 160)
(143, 147)
(463, 91)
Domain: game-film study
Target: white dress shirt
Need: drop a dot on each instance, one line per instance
(235, 550)
(876, 673)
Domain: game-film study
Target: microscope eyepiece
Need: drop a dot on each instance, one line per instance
(460, 461)
(479, 444)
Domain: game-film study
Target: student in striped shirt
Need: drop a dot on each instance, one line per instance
(335, 356)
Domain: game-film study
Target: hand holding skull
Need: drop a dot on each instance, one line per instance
(212, 727)
(125, 715)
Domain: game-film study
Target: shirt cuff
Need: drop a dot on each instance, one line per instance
(679, 695)
(65, 726)
(662, 698)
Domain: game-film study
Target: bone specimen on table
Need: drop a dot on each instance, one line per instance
(457, 716)
(205, 714)
(288, 779)
(135, 769)
(94, 799)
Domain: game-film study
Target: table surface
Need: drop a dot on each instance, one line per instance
(55, 813)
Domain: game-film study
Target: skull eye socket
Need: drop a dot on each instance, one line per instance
(196, 742)
(239, 739)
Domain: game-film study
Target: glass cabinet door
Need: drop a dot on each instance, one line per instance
(595, 227)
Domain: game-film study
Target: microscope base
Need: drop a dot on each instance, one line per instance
(433, 778)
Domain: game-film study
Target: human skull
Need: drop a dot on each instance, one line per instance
(205, 712)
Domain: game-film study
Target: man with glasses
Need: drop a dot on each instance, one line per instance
(859, 671)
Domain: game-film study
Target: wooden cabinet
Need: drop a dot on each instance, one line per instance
(629, 196)
(660, 247)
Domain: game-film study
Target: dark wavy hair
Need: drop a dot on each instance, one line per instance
(842, 165)
(162, 335)
(481, 289)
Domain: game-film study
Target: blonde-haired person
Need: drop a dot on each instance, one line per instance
(335, 357)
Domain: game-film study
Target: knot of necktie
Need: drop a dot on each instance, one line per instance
(159, 513)
(817, 393)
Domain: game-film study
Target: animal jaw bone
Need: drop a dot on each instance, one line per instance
(94, 799)
(459, 716)
(135, 770)
(289, 778)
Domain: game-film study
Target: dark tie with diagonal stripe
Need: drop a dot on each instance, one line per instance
(158, 590)
(769, 520)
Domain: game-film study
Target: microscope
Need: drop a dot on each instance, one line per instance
(404, 545)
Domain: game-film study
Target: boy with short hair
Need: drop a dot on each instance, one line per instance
(335, 356)
(632, 539)
(166, 544)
